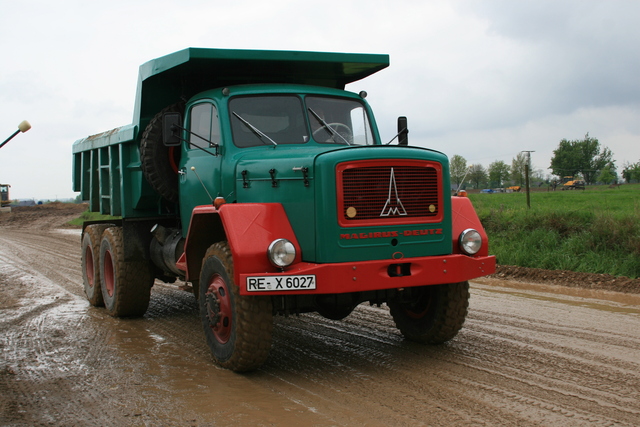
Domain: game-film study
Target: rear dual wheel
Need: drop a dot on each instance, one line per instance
(91, 238)
(237, 327)
(126, 285)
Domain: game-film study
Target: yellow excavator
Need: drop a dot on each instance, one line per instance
(572, 183)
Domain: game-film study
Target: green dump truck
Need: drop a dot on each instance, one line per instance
(254, 176)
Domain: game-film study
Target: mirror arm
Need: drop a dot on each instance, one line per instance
(397, 135)
(174, 133)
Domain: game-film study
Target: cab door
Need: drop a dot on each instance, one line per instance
(201, 160)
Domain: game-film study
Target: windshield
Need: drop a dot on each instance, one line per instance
(267, 120)
(283, 119)
(338, 121)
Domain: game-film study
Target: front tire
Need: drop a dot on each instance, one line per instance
(237, 327)
(431, 314)
(126, 285)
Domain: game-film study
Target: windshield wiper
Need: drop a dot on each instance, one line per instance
(325, 125)
(255, 130)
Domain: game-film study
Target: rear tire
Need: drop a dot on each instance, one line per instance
(237, 327)
(431, 314)
(91, 263)
(126, 285)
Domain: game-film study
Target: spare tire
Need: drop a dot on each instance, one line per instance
(159, 162)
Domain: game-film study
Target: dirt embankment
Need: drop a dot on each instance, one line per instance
(568, 278)
(44, 216)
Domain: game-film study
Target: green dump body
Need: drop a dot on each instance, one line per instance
(106, 166)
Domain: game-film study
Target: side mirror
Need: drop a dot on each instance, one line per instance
(403, 131)
(171, 126)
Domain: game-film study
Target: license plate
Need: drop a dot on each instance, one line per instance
(280, 283)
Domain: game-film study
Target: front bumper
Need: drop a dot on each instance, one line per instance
(337, 278)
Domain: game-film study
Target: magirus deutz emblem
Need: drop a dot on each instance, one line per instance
(394, 205)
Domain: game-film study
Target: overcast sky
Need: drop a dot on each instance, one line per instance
(483, 79)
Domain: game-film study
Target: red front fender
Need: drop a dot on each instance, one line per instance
(248, 227)
(464, 216)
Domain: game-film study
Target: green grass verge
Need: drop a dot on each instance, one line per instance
(591, 231)
(90, 216)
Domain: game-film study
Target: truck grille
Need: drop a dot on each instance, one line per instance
(377, 192)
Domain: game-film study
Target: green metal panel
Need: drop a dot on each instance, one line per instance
(94, 183)
(328, 245)
(291, 189)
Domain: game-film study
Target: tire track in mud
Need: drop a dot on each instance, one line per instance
(51, 348)
(511, 367)
(51, 253)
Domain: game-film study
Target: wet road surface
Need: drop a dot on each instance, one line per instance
(527, 355)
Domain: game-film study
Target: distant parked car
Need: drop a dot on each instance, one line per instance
(487, 190)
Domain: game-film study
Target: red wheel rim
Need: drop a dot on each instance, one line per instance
(416, 314)
(218, 303)
(88, 266)
(419, 308)
(108, 273)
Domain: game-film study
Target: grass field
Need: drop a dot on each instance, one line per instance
(90, 216)
(593, 231)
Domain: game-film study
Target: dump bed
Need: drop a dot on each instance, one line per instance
(106, 166)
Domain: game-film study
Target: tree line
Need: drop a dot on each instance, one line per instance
(582, 159)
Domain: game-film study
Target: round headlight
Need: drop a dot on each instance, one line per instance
(470, 241)
(281, 253)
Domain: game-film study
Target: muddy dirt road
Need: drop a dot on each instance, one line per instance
(528, 355)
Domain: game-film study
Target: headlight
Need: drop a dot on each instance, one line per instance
(281, 253)
(470, 241)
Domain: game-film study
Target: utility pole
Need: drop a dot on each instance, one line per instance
(527, 169)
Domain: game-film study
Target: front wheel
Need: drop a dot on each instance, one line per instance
(237, 327)
(431, 314)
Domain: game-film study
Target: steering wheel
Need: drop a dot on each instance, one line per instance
(340, 128)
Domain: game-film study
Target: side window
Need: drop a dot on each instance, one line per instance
(204, 124)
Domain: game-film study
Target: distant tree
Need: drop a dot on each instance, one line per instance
(498, 172)
(457, 169)
(580, 157)
(608, 174)
(518, 168)
(631, 172)
(477, 175)
(537, 178)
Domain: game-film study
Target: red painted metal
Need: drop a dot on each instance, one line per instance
(251, 227)
(222, 325)
(374, 275)
(463, 216)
